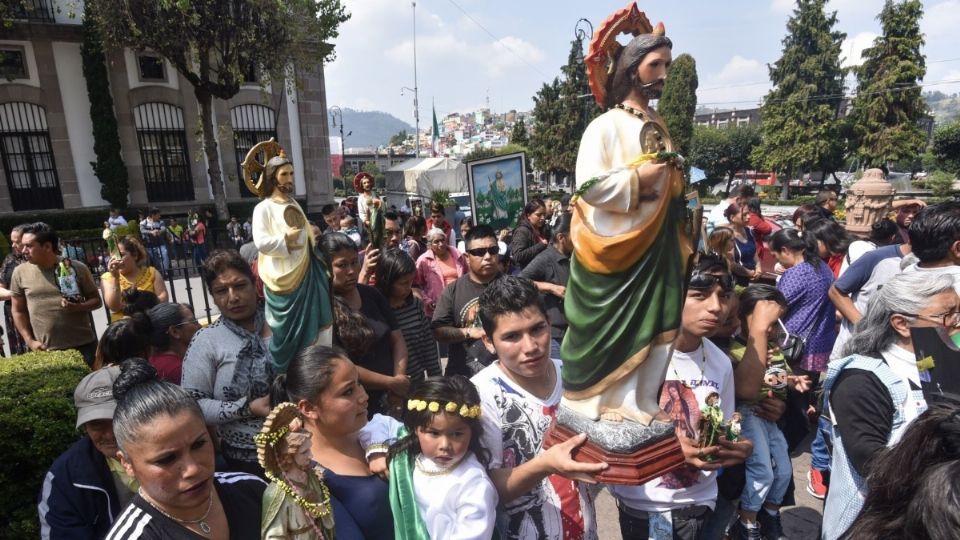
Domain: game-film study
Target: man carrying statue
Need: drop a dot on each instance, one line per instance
(295, 282)
(625, 294)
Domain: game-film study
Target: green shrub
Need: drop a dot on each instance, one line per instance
(37, 420)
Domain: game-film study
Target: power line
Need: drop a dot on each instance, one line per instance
(837, 96)
(499, 40)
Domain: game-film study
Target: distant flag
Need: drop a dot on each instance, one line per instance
(436, 133)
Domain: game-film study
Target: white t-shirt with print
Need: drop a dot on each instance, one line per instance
(514, 423)
(705, 371)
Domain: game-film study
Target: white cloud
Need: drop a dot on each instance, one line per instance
(851, 51)
(782, 7)
(941, 20)
(740, 83)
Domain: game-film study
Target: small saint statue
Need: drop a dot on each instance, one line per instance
(711, 420)
(369, 208)
(734, 428)
(296, 504)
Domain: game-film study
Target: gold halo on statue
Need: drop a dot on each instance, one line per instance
(251, 169)
(604, 48)
(275, 427)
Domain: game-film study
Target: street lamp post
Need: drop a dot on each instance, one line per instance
(416, 100)
(335, 113)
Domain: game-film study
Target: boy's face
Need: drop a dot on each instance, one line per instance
(705, 310)
(521, 341)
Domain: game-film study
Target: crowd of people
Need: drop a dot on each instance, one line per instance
(427, 416)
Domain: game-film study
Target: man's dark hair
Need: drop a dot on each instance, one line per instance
(478, 232)
(43, 234)
(883, 231)
(563, 225)
(743, 190)
(392, 216)
(756, 293)
(823, 196)
(506, 295)
(153, 210)
(625, 77)
(221, 260)
(934, 231)
(328, 209)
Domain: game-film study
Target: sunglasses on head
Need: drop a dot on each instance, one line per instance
(480, 252)
(705, 281)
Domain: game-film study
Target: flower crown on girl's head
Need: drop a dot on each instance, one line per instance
(452, 407)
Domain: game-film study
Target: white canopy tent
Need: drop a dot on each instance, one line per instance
(419, 177)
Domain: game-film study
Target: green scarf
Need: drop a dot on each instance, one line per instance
(407, 522)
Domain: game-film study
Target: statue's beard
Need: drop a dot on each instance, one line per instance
(286, 189)
(650, 90)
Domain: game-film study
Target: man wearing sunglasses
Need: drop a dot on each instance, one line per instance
(683, 500)
(455, 319)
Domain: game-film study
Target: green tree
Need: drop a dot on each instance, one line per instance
(799, 115)
(109, 166)
(519, 133)
(546, 134)
(946, 147)
(399, 138)
(723, 152)
(940, 183)
(214, 44)
(888, 105)
(678, 103)
(379, 179)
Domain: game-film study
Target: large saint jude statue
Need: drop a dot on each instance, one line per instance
(295, 283)
(624, 298)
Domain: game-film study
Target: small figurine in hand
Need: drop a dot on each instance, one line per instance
(733, 427)
(296, 504)
(711, 420)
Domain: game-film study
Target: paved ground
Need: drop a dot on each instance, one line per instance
(801, 522)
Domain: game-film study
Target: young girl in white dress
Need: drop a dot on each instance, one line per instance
(439, 486)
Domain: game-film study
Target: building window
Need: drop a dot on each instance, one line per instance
(13, 63)
(27, 157)
(251, 124)
(163, 152)
(34, 11)
(151, 68)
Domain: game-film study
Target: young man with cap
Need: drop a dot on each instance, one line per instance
(86, 487)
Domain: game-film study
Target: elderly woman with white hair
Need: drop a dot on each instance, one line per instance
(874, 392)
(438, 267)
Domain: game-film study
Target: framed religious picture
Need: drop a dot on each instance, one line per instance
(498, 189)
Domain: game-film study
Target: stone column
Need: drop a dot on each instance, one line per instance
(312, 106)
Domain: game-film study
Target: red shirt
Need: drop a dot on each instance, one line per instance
(168, 365)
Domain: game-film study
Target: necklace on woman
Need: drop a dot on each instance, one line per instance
(201, 523)
(702, 367)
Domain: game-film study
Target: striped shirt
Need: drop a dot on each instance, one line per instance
(240, 494)
(421, 346)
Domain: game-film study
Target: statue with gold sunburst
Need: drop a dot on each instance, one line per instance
(295, 282)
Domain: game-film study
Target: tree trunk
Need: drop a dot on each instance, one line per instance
(729, 181)
(211, 150)
(785, 190)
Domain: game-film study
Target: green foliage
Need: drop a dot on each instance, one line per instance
(678, 103)
(562, 110)
(721, 152)
(109, 166)
(379, 178)
(888, 105)
(946, 147)
(214, 44)
(519, 133)
(940, 183)
(800, 127)
(37, 415)
(399, 138)
(441, 197)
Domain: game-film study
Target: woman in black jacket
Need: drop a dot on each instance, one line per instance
(531, 235)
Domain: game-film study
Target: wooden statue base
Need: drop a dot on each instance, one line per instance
(633, 469)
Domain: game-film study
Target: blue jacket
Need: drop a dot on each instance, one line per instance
(78, 499)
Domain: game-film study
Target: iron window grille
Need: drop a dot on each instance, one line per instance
(27, 157)
(163, 152)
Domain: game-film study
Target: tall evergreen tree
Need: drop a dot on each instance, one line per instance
(546, 134)
(678, 103)
(799, 115)
(519, 133)
(577, 106)
(109, 167)
(888, 105)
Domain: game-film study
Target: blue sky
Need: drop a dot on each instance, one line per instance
(523, 43)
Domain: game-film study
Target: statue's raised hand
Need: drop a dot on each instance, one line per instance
(292, 238)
